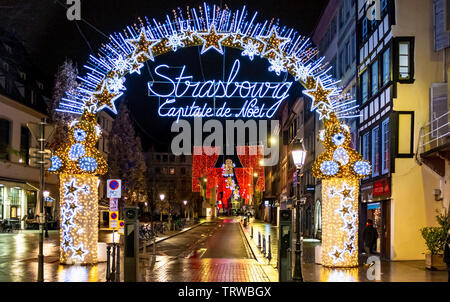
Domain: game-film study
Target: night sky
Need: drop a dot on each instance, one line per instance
(50, 38)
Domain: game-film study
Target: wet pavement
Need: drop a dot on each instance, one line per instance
(215, 251)
(391, 271)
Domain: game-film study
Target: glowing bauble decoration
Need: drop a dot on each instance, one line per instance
(338, 139)
(76, 151)
(362, 168)
(329, 168)
(79, 135)
(56, 163)
(341, 156)
(87, 164)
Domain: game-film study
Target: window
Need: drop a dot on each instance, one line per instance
(183, 171)
(172, 171)
(365, 87)
(404, 60)
(157, 170)
(158, 157)
(386, 67)
(374, 77)
(4, 139)
(165, 158)
(349, 54)
(364, 30)
(385, 146)
(24, 144)
(375, 151)
(172, 158)
(365, 146)
(14, 199)
(383, 6)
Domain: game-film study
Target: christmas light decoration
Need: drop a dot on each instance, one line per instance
(78, 162)
(79, 211)
(340, 168)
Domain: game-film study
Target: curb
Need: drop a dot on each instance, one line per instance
(268, 269)
(170, 236)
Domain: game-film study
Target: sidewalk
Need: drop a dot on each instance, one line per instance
(391, 271)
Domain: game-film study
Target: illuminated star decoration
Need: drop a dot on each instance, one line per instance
(273, 43)
(337, 255)
(105, 99)
(143, 46)
(211, 39)
(115, 84)
(324, 112)
(79, 252)
(319, 95)
(346, 193)
(136, 66)
(71, 189)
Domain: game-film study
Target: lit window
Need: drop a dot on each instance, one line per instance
(365, 146)
(365, 87)
(374, 78)
(404, 60)
(385, 146)
(172, 171)
(375, 152)
(386, 67)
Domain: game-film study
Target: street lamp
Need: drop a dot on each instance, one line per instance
(298, 156)
(185, 202)
(161, 196)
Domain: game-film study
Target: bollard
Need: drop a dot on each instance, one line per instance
(269, 254)
(118, 264)
(108, 255)
(113, 261)
(251, 234)
(264, 246)
(259, 240)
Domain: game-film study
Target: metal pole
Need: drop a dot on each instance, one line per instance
(298, 253)
(259, 240)
(251, 236)
(269, 255)
(118, 264)
(108, 256)
(41, 218)
(113, 268)
(264, 246)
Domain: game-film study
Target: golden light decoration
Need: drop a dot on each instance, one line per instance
(340, 167)
(78, 219)
(78, 162)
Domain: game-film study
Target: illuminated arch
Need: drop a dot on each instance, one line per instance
(212, 29)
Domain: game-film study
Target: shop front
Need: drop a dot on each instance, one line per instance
(18, 203)
(375, 205)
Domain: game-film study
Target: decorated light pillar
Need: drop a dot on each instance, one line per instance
(78, 163)
(340, 167)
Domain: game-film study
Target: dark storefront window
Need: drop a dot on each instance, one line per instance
(4, 139)
(31, 203)
(24, 144)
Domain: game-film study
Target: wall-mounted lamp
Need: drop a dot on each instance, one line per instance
(437, 195)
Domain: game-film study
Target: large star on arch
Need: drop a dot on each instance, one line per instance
(324, 112)
(319, 95)
(212, 39)
(142, 45)
(79, 252)
(272, 43)
(105, 98)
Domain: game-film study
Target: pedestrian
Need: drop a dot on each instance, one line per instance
(447, 254)
(370, 236)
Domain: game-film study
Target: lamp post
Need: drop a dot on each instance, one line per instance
(298, 156)
(46, 194)
(161, 196)
(185, 203)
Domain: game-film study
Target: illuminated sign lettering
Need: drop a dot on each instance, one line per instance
(171, 89)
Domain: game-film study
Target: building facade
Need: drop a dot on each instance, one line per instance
(172, 176)
(23, 97)
(397, 66)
